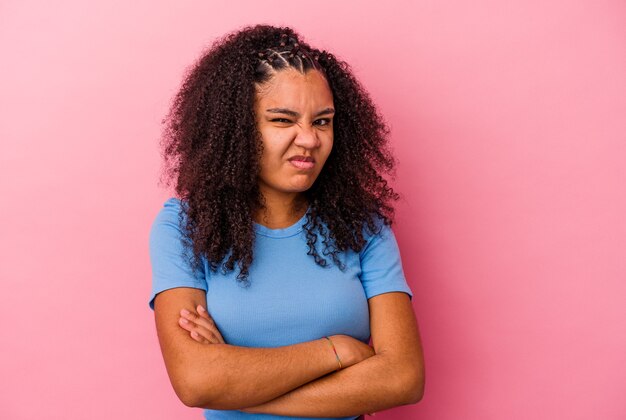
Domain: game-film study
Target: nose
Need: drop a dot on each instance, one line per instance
(307, 137)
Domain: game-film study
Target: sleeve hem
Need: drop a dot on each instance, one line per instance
(380, 292)
(195, 285)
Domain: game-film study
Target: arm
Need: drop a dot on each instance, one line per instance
(393, 376)
(200, 373)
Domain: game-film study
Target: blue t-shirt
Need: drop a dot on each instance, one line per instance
(290, 299)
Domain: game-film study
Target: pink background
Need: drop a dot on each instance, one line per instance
(508, 119)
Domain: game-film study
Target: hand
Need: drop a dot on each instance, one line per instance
(351, 350)
(201, 326)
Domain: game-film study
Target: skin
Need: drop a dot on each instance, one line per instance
(283, 135)
(309, 132)
(202, 328)
(397, 348)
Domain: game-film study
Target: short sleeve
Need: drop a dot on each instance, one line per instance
(381, 265)
(170, 266)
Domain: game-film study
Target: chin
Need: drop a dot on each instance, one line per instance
(301, 186)
(298, 188)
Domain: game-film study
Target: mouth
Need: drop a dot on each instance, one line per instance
(302, 162)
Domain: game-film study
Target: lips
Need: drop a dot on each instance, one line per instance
(302, 162)
(302, 158)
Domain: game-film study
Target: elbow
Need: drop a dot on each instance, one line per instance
(413, 387)
(190, 397)
(191, 392)
(417, 393)
(197, 385)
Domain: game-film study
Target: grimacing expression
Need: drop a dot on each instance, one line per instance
(294, 114)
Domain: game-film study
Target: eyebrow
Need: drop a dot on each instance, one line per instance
(295, 114)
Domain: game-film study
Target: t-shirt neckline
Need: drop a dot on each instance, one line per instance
(264, 230)
(282, 232)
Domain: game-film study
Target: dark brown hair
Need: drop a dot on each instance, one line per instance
(211, 148)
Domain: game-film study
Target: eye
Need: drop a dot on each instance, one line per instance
(281, 120)
(325, 121)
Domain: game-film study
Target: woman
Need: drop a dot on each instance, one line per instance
(282, 232)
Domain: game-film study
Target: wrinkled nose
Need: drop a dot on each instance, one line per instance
(307, 137)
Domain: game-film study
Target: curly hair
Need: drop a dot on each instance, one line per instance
(211, 148)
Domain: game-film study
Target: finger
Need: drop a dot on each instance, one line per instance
(197, 319)
(200, 331)
(199, 338)
(203, 313)
(205, 322)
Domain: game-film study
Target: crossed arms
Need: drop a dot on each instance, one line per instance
(300, 379)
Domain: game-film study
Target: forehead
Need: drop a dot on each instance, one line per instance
(291, 88)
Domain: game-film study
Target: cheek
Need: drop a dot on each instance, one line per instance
(272, 156)
(328, 147)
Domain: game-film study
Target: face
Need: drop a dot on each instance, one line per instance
(294, 114)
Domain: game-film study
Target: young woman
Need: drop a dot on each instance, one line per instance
(277, 263)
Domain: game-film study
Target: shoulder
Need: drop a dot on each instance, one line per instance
(171, 207)
(171, 215)
(170, 252)
(169, 223)
(381, 263)
(382, 233)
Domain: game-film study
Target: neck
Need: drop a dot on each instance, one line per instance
(281, 212)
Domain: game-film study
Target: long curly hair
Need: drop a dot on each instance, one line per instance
(211, 148)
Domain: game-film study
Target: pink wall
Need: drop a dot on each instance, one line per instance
(508, 119)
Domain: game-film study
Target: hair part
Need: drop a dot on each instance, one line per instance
(212, 147)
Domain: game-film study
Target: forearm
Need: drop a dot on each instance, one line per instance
(231, 377)
(369, 386)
